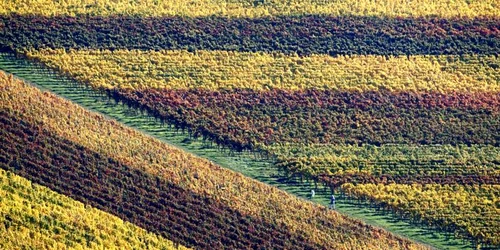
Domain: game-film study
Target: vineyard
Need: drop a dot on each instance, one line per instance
(464, 209)
(392, 106)
(26, 221)
(252, 9)
(62, 146)
(302, 35)
(216, 70)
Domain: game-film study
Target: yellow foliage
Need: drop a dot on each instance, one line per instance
(254, 8)
(179, 69)
(35, 217)
(134, 149)
(471, 207)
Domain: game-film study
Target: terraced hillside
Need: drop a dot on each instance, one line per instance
(162, 189)
(392, 105)
(34, 216)
(323, 123)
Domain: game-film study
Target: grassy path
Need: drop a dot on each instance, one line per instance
(244, 163)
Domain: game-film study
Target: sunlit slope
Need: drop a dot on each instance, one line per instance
(251, 8)
(471, 210)
(33, 216)
(182, 171)
(214, 70)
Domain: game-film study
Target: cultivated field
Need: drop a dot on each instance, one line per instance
(393, 106)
